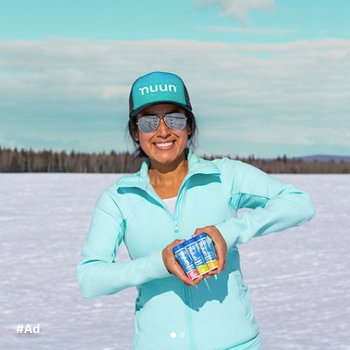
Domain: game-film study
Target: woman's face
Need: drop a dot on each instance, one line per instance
(164, 145)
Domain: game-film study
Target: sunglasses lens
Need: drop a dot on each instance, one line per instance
(175, 121)
(148, 123)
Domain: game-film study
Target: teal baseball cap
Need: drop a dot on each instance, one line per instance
(158, 87)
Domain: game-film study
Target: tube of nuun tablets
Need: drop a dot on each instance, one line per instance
(207, 251)
(195, 254)
(185, 261)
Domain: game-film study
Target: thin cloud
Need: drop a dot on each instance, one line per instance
(239, 9)
(250, 31)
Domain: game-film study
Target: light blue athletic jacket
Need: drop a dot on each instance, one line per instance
(168, 314)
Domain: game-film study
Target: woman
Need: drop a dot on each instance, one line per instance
(176, 195)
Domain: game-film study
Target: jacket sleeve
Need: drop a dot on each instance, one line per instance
(277, 205)
(98, 273)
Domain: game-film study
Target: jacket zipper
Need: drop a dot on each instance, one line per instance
(185, 289)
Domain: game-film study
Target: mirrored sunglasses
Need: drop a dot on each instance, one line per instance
(150, 123)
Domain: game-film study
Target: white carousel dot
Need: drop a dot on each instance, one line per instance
(182, 335)
(173, 334)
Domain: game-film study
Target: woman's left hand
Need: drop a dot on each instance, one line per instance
(220, 247)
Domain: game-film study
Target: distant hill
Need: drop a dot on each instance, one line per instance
(325, 158)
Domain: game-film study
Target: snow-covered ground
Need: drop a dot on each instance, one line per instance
(299, 279)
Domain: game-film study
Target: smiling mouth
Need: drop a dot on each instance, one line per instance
(164, 145)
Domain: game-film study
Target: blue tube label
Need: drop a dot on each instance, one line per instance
(206, 249)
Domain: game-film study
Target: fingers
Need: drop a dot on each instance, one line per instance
(175, 243)
(174, 267)
(179, 272)
(219, 244)
(201, 230)
(220, 248)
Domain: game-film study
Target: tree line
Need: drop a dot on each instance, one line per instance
(22, 161)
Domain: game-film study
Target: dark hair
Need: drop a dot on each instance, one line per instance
(133, 129)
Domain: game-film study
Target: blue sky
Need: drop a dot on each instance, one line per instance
(265, 77)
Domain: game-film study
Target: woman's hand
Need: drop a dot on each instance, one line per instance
(174, 267)
(220, 247)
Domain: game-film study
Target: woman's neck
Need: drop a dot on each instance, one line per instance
(168, 175)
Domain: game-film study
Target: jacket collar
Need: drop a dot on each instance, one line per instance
(196, 165)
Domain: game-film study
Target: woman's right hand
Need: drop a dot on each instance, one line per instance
(174, 267)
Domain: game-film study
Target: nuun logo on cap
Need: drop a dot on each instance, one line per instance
(155, 88)
(158, 87)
